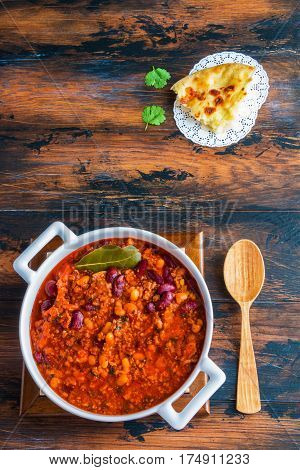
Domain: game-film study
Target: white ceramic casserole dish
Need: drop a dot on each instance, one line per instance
(72, 243)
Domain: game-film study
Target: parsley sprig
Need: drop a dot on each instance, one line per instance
(158, 78)
(154, 115)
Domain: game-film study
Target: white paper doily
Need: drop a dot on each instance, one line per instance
(257, 93)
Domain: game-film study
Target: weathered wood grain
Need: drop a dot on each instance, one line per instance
(82, 129)
(80, 165)
(111, 29)
(274, 428)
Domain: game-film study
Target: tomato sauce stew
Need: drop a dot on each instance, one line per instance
(121, 340)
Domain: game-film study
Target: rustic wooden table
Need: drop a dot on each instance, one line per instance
(73, 148)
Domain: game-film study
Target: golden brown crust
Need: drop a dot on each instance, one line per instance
(212, 94)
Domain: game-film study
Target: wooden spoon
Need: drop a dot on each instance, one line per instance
(244, 274)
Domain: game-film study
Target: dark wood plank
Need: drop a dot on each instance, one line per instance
(117, 29)
(274, 427)
(276, 233)
(79, 165)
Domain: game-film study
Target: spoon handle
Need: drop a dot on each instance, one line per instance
(248, 398)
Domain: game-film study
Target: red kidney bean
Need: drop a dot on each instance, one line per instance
(39, 357)
(45, 305)
(169, 260)
(89, 307)
(118, 285)
(77, 320)
(150, 307)
(155, 277)
(165, 288)
(167, 275)
(141, 268)
(189, 305)
(51, 288)
(111, 274)
(165, 300)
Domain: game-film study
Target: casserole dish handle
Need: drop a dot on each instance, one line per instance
(179, 420)
(56, 229)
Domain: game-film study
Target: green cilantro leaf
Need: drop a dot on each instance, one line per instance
(154, 115)
(157, 78)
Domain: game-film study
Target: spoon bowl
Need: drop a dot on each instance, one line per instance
(244, 271)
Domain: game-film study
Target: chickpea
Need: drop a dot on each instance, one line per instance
(134, 294)
(122, 380)
(182, 282)
(120, 313)
(110, 338)
(181, 297)
(119, 309)
(159, 323)
(160, 263)
(83, 281)
(196, 327)
(54, 382)
(126, 364)
(88, 323)
(103, 362)
(130, 308)
(92, 360)
(100, 336)
(107, 327)
(42, 342)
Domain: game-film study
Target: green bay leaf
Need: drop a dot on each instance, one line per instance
(110, 255)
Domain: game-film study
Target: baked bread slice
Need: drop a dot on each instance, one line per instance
(213, 95)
